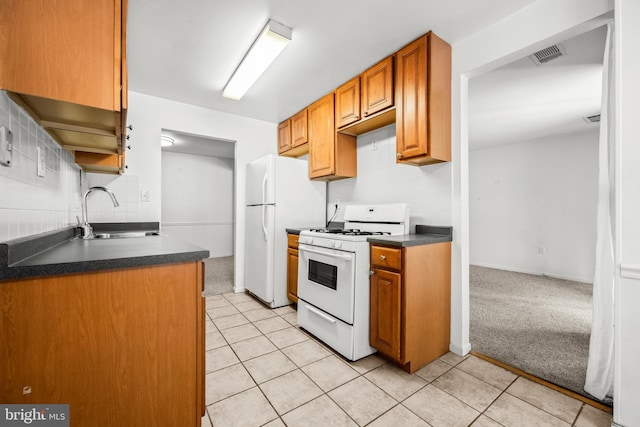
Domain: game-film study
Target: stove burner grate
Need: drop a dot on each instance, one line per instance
(349, 232)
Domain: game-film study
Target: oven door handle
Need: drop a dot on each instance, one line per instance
(346, 257)
(320, 314)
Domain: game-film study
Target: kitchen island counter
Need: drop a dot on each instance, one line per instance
(425, 235)
(63, 252)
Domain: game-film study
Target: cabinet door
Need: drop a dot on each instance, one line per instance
(292, 274)
(67, 51)
(299, 129)
(348, 103)
(377, 87)
(321, 137)
(423, 101)
(96, 341)
(411, 100)
(284, 136)
(385, 313)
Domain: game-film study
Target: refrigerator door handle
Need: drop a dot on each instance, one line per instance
(264, 189)
(264, 225)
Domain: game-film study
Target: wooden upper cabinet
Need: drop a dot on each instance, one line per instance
(292, 135)
(423, 101)
(299, 129)
(331, 155)
(284, 136)
(377, 87)
(65, 62)
(366, 102)
(67, 51)
(348, 103)
(321, 137)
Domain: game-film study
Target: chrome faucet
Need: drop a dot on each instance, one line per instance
(86, 231)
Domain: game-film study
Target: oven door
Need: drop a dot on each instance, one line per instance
(326, 280)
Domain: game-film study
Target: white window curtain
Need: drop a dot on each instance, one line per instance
(599, 380)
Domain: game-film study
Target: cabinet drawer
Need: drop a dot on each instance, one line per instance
(384, 257)
(292, 240)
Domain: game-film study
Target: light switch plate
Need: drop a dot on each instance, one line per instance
(41, 163)
(6, 146)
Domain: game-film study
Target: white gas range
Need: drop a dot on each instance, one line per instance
(333, 276)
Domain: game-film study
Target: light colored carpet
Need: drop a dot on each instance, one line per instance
(538, 324)
(218, 275)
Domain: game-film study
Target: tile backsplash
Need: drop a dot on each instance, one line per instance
(127, 191)
(31, 204)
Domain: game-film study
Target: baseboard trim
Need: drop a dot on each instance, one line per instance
(545, 383)
(534, 273)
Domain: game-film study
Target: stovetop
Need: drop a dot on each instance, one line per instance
(349, 232)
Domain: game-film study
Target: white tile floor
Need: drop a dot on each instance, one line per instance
(264, 371)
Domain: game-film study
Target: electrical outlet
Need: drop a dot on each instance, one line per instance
(144, 196)
(374, 144)
(542, 250)
(337, 205)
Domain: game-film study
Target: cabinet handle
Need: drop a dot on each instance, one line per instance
(371, 272)
(355, 117)
(399, 155)
(382, 257)
(130, 127)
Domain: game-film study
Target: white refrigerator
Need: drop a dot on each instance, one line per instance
(279, 195)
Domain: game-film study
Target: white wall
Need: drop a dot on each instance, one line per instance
(30, 204)
(127, 191)
(540, 193)
(197, 200)
(536, 26)
(627, 348)
(427, 189)
(541, 24)
(149, 114)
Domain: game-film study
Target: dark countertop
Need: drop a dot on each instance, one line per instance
(425, 235)
(63, 252)
(296, 230)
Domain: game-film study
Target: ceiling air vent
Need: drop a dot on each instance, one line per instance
(548, 54)
(592, 119)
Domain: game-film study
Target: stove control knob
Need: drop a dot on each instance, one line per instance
(337, 244)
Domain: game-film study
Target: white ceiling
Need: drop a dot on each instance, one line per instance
(522, 101)
(186, 51)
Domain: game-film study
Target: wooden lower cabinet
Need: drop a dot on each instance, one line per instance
(121, 347)
(410, 303)
(292, 267)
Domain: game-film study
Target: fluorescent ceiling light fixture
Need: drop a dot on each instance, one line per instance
(166, 141)
(272, 39)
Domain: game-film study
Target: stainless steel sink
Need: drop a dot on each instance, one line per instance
(125, 234)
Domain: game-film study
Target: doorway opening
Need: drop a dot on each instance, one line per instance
(532, 210)
(198, 199)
